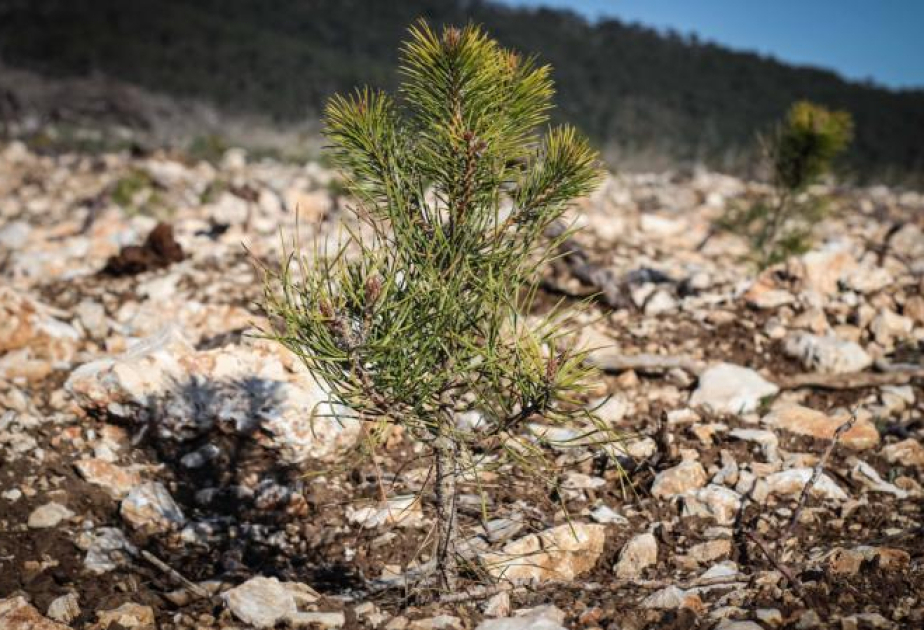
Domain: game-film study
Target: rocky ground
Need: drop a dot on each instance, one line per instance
(158, 467)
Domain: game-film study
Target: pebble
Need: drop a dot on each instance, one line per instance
(636, 555)
(731, 389)
(540, 618)
(107, 549)
(683, 477)
(49, 515)
(789, 483)
(815, 424)
(560, 553)
(605, 514)
(149, 508)
(16, 613)
(65, 608)
(116, 480)
(827, 354)
(713, 501)
(264, 602)
(908, 452)
(672, 598)
(127, 616)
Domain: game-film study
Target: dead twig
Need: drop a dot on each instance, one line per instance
(610, 361)
(479, 592)
(851, 380)
(911, 531)
(816, 474)
(483, 592)
(777, 564)
(176, 575)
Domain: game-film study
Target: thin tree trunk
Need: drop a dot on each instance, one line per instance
(446, 525)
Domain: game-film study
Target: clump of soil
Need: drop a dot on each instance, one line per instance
(159, 250)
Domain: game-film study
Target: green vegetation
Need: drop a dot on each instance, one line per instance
(422, 321)
(800, 152)
(647, 99)
(126, 189)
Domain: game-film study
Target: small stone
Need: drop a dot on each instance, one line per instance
(866, 621)
(713, 501)
(440, 622)
(827, 354)
(126, 616)
(711, 550)
(866, 279)
(150, 509)
(325, 620)
(539, 618)
(673, 598)
(637, 448)
(398, 623)
(92, 317)
(808, 620)
(888, 327)
(65, 608)
(908, 453)
(867, 475)
(914, 309)
(764, 295)
(659, 303)
(264, 602)
(769, 617)
(725, 569)
(31, 335)
(370, 614)
(820, 271)
(844, 561)
(791, 482)
(804, 421)
(766, 439)
(498, 605)
(18, 614)
(613, 410)
(13, 494)
(107, 548)
(200, 457)
(404, 510)
(559, 553)
(731, 389)
(896, 398)
(48, 515)
(637, 554)
(605, 514)
(685, 476)
(115, 480)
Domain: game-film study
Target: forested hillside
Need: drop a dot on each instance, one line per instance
(648, 99)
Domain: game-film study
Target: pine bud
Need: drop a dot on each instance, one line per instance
(373, 290)
(551, 368)
(451, 37)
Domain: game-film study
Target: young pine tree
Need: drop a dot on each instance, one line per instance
(800, 152)
(423, 319)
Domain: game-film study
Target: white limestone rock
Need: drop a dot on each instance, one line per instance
(731, 389)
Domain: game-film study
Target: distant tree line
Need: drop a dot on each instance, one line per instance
(646, 98)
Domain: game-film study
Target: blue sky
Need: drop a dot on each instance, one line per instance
(860, 39)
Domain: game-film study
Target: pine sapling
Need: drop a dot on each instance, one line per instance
(424, 319)
(800, 151)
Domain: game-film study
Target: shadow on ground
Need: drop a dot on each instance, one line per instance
(247, 513)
